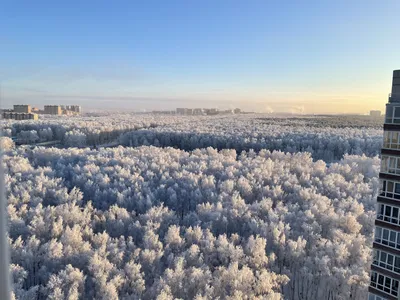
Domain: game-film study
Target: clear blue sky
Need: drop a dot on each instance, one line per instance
(312, 56)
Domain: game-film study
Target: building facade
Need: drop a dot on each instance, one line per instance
(385, 268)
(11, 115)
(375, 113)
(198, 111)
(22, 108)
(52, 109)
(181, 111)
(74, 108)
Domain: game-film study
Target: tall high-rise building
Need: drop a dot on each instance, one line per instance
(385, 269)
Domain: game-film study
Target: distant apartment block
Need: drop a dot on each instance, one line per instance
(375, 113)
(198, 111)
(22, 108)
(205, 111)
(11, 115)
(163, 112)
(182, 111)
(70, 110)
(52, 109)
(48, 109)
(74, 108)
(67, 112)
(211, 111)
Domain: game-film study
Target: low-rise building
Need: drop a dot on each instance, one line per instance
(11, 115)
(33, 116)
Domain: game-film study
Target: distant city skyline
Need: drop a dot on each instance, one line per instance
(315, 57)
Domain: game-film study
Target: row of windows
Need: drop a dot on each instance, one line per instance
(387, 237)
(375, 297)
(390, 189)
(390, 164)
(392, 115)
(386, 260)
(388, 213)
(384, 283)
(391, 140)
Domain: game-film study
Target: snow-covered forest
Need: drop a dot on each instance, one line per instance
(327, 138)
(81, 131)
(238, 207)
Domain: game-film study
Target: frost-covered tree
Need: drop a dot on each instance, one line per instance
(151, 222)
(28, 137)
(6, 143)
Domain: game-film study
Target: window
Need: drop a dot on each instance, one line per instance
(387, 261)
(392, 115)
(390, 186)
(389, 115)
(395, 215)
(395, 140)
(384, 283)
(390, 164)
(397, 113)
(391, 140)
(390, 189)
(375, 297)
(384, 163)
(388, 213)
(387, 237)
(386, 139)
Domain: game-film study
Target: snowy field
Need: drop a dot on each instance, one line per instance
(228, 207)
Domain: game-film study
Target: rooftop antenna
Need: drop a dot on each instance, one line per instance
(5, 290)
